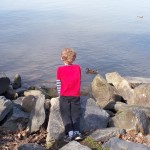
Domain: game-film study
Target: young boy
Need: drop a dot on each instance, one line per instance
(68, 80)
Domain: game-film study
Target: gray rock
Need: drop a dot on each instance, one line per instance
(103, 92)
(92, 117)
(117, 144)
(131, 119)
(141, 95)
(6, 106)
(32, 92)
(116, 106)
(31, 146)
(18, 101)
(17, 82)
(28, 103)
(37, 116)
(122, 86)
(55, 127)
(104, 135)
(4, 83)
(120, 107)
(18, 120)
(74, 146)
(11, 93)
(136, 81)
(145, 109)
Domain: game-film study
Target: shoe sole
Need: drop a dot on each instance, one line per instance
(67, 141)
(78, 139)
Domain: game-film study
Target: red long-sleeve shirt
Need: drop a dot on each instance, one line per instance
(69, 77)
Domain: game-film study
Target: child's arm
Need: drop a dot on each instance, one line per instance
(58, 85)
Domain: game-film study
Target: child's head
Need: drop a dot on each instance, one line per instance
(68, 55)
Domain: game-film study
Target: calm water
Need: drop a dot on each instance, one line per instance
(107, 35)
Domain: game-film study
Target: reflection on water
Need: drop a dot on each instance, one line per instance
(107, 35)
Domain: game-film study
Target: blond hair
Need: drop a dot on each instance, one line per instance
(68, 55)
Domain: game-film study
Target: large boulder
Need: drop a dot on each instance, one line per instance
(122, 86)
(4, 83)
(103, 92)
(117, 144)
(31, 146)
(55, 128)
(74, 145)
(132, 119)
(17, 120)
(37, 115)
(104, 135)
(142, 95)
(120, 107)
(92, 117)
(6, 106)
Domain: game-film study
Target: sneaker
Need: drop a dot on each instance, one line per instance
(68, 138)
(78, 136)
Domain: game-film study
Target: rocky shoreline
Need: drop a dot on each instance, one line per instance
(115, 112)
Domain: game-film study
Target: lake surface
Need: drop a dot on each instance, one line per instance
(107, 35)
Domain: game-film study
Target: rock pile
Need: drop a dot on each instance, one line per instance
(116, 107)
